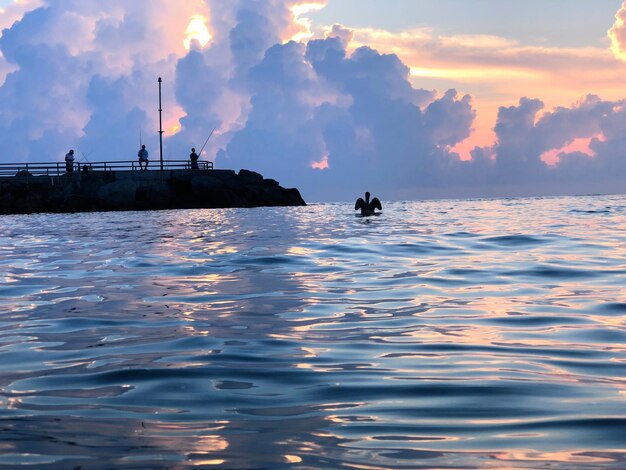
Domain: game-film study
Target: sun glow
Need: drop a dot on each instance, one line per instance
(616, 34)
(474, 75)
(299, 10)
(197, 30)
(171, 120)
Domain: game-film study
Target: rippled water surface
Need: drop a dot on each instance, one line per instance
(446, 334)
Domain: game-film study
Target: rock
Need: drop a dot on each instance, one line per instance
(250, 176)
(270, 183)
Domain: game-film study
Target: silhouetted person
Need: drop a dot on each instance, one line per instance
(194, 159)
(69, 162)
(143, 158)
(368, 207)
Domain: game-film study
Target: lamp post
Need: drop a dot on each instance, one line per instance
(160, 124)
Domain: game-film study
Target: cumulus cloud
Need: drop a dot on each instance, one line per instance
(332, 121)
(296, 111)
(64, 53)
(497, 71)
(617, 34)
(332, 115)
(588, 140)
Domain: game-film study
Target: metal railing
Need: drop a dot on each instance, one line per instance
(59, 168)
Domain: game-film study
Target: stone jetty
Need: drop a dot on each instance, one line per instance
(88, 191)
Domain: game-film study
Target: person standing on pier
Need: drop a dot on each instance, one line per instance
(69, 162)
(194, 159)
(143, 158)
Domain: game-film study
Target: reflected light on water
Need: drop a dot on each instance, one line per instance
(293, 459)
(444, 334)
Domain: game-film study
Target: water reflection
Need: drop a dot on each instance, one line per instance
(472, 334)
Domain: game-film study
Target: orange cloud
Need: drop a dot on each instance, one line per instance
(617, 34)
(322, 164)
(300, 29)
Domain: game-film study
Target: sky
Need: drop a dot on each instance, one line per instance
(408, 99)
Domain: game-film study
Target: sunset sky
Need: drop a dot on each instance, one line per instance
(406, 98)
(497, 51)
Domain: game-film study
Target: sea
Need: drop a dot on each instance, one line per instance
(449, 334)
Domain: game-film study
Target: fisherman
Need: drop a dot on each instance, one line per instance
(69, 162)
(143, 158)
(194, 159)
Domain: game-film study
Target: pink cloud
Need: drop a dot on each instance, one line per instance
(580, 145)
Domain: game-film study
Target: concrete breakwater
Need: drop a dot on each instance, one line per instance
(142, 190)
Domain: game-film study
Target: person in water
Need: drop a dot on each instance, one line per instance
(194, 159)
(368, 207)
(69, 162)
(143, 158)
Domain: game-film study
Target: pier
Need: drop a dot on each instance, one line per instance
(58, 168)
(121, 185)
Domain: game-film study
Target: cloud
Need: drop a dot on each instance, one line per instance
(587, 139)
(424, 49)
(356, 116)
(617, 34)
(496, 71)
(334, 115)
(60, 52)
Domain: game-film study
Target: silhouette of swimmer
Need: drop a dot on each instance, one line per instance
(368, 207)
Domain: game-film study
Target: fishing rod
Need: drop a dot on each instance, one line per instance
(85, 159)
(207, 140)
(85, 156)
